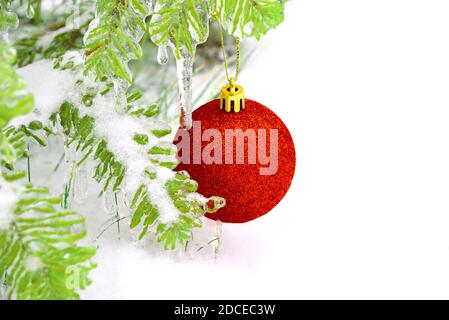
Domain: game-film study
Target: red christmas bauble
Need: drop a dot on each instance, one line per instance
(248, 158)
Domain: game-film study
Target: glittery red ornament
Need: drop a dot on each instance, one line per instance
(252, 188)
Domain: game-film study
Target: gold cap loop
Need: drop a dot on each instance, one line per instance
(232, 97)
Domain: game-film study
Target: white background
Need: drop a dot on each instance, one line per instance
(363, 87)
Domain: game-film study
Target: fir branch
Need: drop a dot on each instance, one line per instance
(39, 254)
(38, 244)
(113, 37)
(9, 20)
(54, 35)
(14, 101)
(180, 24)
(249, 18)
(161, 155)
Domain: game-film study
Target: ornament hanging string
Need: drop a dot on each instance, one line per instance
(231, 80)
(251, 179)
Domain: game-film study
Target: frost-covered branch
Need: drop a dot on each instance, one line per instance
(39, 254)
(129, 150)
(38, 243)
(82, 64)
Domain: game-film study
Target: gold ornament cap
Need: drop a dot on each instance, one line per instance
(232, 97)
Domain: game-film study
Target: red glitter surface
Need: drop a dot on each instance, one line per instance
(249, 195)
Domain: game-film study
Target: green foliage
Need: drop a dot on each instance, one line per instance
(190, 211)
(111, 173)
(14, 99)
(12, 148)
(70, 40)
(250, 18)
(81, 134)
(180, 23)
(113, 37)
(39, 255)
(63, 36)
(13, 142)
(175, 233)
(8, 20)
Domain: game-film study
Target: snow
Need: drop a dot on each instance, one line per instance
(364, 222)
(51, 87)
(9, 195)
(34, 263)
(118, 130)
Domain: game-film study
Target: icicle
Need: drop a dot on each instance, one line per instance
(162, 55)
(109, 205)
(217, 242)
(185, 70)
(82, 185)
(69, 192)
(120, 87)
(30, 11)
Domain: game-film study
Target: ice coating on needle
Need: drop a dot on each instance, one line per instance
(30, 11)
(162, 55)
(10, 21)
